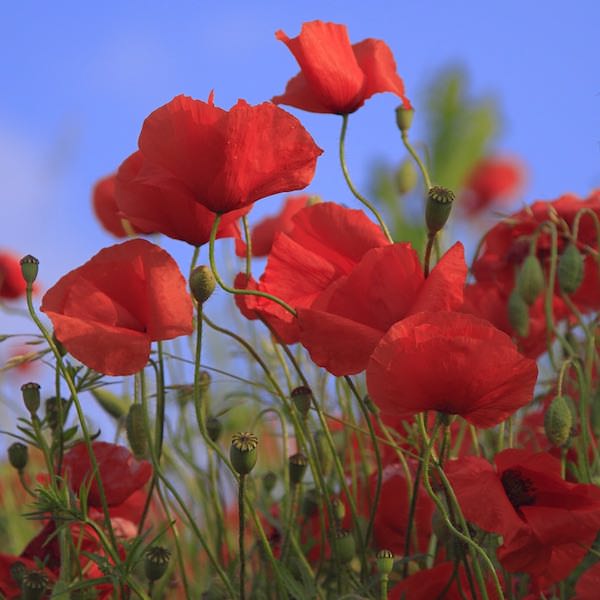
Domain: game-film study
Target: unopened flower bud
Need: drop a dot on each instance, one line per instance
(323, 452)
(33, 585)
(52, 411)
(136, 431)
(558, 421)
(385, 562)
(302, 399)
(156, 562)
(29, 268)
(297, 465)
(202, 283)
(530, 279)
(214, 428)
(242, 452)
(406, 177)
(114, 405)
(18, 455)
(31, 396)
(344, 545)
(518, 314)
(438, 207)
(269, 480)
(404, 118)
(339, 510)
(570, 269)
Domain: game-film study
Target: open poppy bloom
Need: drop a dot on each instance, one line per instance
(337, 77)
(107, 312)
(547, 524)
(228, 159)
(12, 284)
(452, 363)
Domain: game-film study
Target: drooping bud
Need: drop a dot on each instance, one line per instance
(323, 452)
(156, 562)
(438, 207)
(558, 421)
(302, 399)
(213, 428)
(31, 396)
(404, 118)
(518, 314)
(114, 405)
(406, 177)
(18, 455)
(202, 283)
(136, 431)
(344, 545)
(570, 269)
(33, 585)
(52, 411)
(242, 452)
(297, 464)
(29, 268)
(269, 480)
(385, 562)
(530, 279)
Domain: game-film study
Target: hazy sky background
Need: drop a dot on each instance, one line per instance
(78, 79)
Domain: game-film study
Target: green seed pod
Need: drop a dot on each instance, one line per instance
(17, 572)
(269, 480)
(339, 510)
(344, 545)
(156, 562)
(114, 405)
(31, 396)
(33, 585)
(570, 269)
(18, 455)
(406, 177)
(558, 421)
(530, 279)
(385, 562)
(297, 465)
(202, 283)
(404, 118)
(242, 452)
(323, 452)
(136, 431)
(29, 268)
(302, 398)
(518, 314)
(213, 428)
(438, 207)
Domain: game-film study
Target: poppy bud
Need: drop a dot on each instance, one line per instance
(302, 399)
(530, 279)
(438, 207)
(269, 480)
(570, 269)
(202, 283)
(31, 396)
(385, 562)
(310, 503)
(339, 510)
(33, 585)
(18, 455)
(29, 268)
(344, 545)
(242, 452)
(114, 405)
(52, 415)
(558, 421)
(213, 428)
(136, 431)
(404, 118)
(297, 464)
(406, 177)
(518, 314)
(156, 562)
(323, 452)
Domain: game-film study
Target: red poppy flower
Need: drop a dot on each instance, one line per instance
(121, 473)
(344, 324)
(12, 284)
(452, 363)
(9, 588)
(229, 159)
(107, 312)
(155, 201)
(547, 524)
(337, 77)
(588, 584)
(263, 234)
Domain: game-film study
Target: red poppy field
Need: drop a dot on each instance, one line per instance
(405, 418)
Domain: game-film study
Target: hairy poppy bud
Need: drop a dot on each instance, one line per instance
(339, 510)
(530, 279)
(406, 177)
(242, 452)
(29, 268)
(404, 118)
(570, 269)
(438, 207)
(213, 428)
(114, 405)
(52, 411)
(518, 314)
(136, 431)
(558, 421)
(344, 545)
(156, 562)
(269, 480)
(323, 452)
(18, 455)
(297, 464)
(302, 399)
(385, 562)
(33, 585)
(202, 283)
(31, 396)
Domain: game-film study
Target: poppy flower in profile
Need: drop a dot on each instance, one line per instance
(12, 284)
(451, 363)
(337, 77)
(228, 159)
(107, 312)
(121, 473)
(154, 201)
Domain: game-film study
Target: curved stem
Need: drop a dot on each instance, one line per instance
(417, 159)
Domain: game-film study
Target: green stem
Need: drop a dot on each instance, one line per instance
(417, 159)
(426, 262)
(242, 531)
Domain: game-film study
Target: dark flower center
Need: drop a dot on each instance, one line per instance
(519, 489)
